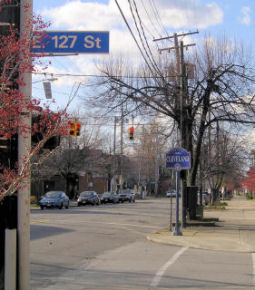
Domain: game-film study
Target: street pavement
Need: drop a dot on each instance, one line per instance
(105, 247)
(232, 229)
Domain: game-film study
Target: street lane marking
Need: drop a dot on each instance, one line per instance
(163, 269)
(39, 221)
(253, 262)
(110, 223)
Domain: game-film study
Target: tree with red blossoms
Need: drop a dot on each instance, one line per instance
(249, 181)
(15, 61)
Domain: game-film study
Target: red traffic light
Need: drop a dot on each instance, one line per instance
(131, 133)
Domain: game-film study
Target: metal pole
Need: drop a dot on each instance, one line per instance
(114, 137)
(24, 147)
(171, 214)
(183, 129)
(176, 231)
(156, 164)
(10, 259)
(121, 147)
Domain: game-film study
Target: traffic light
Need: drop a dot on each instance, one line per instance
(71, 129)
(131, 133)
(77, 129)
(74, 128)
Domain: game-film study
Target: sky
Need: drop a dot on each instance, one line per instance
(234, 18)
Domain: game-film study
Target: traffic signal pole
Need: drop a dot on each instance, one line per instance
(24, 147)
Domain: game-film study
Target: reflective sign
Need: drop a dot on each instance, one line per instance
(66, 42)
(178, 159)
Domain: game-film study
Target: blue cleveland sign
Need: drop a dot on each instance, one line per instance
(178, 159)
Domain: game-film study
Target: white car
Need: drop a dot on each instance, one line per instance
(171, 193)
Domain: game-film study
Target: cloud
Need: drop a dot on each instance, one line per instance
(245, 17)
(186, 13)
(81, 15)
(94, 16)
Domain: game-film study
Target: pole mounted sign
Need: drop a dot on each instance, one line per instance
(178, 159)
(66, 42)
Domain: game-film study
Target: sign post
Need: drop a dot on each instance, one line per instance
(177, 159)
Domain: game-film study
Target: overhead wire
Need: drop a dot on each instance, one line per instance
(157, 16)
(144, 38)
(150, 18)
(95, 75)
(141, 38)
(133, 36)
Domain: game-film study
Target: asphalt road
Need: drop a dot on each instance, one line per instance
(105, 247)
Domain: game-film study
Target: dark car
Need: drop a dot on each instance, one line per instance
(88, 197)
(109, 197)
(56, 199)
(127, 195)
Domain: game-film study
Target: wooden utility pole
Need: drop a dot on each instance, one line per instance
(181, 83)
(180, 77)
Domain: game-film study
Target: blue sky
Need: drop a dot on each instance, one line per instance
(235, 18)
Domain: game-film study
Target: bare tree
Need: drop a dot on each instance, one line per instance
(223, 160)
(220, 92)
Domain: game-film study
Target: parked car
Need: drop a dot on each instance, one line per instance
(88, 197)
(54, 199)
(127, 195)
(171, 193)
(110, 196)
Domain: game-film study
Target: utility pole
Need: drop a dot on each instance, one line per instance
(121, 147)
(181, 82)
(114, 153)
(156, 163)
(24, 147)
(114, 136)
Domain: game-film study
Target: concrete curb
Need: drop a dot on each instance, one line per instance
(235, 231)
(216, 241)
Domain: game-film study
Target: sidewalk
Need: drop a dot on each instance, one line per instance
(234, 230)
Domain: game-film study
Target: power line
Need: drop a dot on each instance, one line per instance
(130, 30)
(150, 18)
(99, 76)
(149, 52)
(157, 16)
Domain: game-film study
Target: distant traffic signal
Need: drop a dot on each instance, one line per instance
(131, 133)
(71, 128)
(77, 129)
(74, 128)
